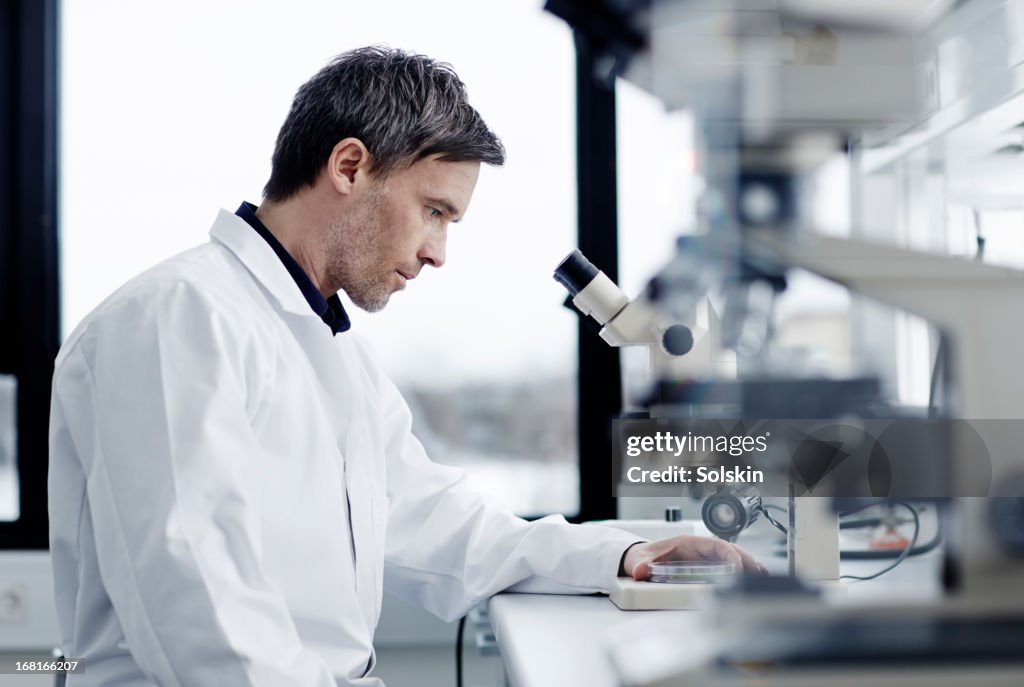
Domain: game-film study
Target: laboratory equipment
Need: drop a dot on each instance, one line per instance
(776, 89)
(813, 535)
(679, 346)
(730, 511)
(691, 572)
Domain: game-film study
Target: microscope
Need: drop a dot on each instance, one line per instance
(681, 352)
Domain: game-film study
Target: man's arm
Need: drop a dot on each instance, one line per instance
(447, 549)
(154, 400)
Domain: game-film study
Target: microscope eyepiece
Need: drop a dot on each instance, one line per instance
(575, 272)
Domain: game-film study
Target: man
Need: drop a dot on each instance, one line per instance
(233, 480)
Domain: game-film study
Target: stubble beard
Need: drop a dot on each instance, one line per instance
(357, 252)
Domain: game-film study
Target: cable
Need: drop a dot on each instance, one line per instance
(848, 525)
(903, 554)
(862, 523)
(884, 555)
(873, 503)
(865, 522)
(458, 651)
(775, 523)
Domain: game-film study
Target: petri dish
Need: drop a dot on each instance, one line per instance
(691, 572)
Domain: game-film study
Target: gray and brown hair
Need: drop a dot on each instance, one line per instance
(403, 107)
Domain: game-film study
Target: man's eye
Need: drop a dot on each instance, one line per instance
(434, 212)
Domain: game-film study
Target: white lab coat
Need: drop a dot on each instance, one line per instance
(210, 444)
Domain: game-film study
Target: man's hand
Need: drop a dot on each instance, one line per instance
(638, 557)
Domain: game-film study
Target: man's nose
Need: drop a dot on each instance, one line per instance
(433, 250)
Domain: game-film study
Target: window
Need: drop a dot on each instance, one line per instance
(173, 114)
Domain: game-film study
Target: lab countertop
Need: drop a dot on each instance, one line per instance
(561, 640)
(557, 640)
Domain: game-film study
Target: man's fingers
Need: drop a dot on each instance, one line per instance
(731, 555)
(717, 550)
(642, 571)
(750, 565)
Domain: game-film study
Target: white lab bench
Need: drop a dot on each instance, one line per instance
(546, 639)
(560, 640)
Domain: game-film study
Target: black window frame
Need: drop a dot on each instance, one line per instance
(599, 388)
(29, 282)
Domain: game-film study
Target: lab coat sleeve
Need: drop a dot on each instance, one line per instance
(155, 395)
(447, 549)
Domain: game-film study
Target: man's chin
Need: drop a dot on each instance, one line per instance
(373, 307)
(371, 303)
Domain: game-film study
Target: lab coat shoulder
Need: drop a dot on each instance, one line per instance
(207, 275)
(191, 301)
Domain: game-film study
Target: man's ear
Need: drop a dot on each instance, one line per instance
(348, 158)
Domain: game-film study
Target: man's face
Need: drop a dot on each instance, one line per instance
(395, 226)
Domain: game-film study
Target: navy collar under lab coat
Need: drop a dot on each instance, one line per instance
(330, 310)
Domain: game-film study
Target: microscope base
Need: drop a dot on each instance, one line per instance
(630, 595)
